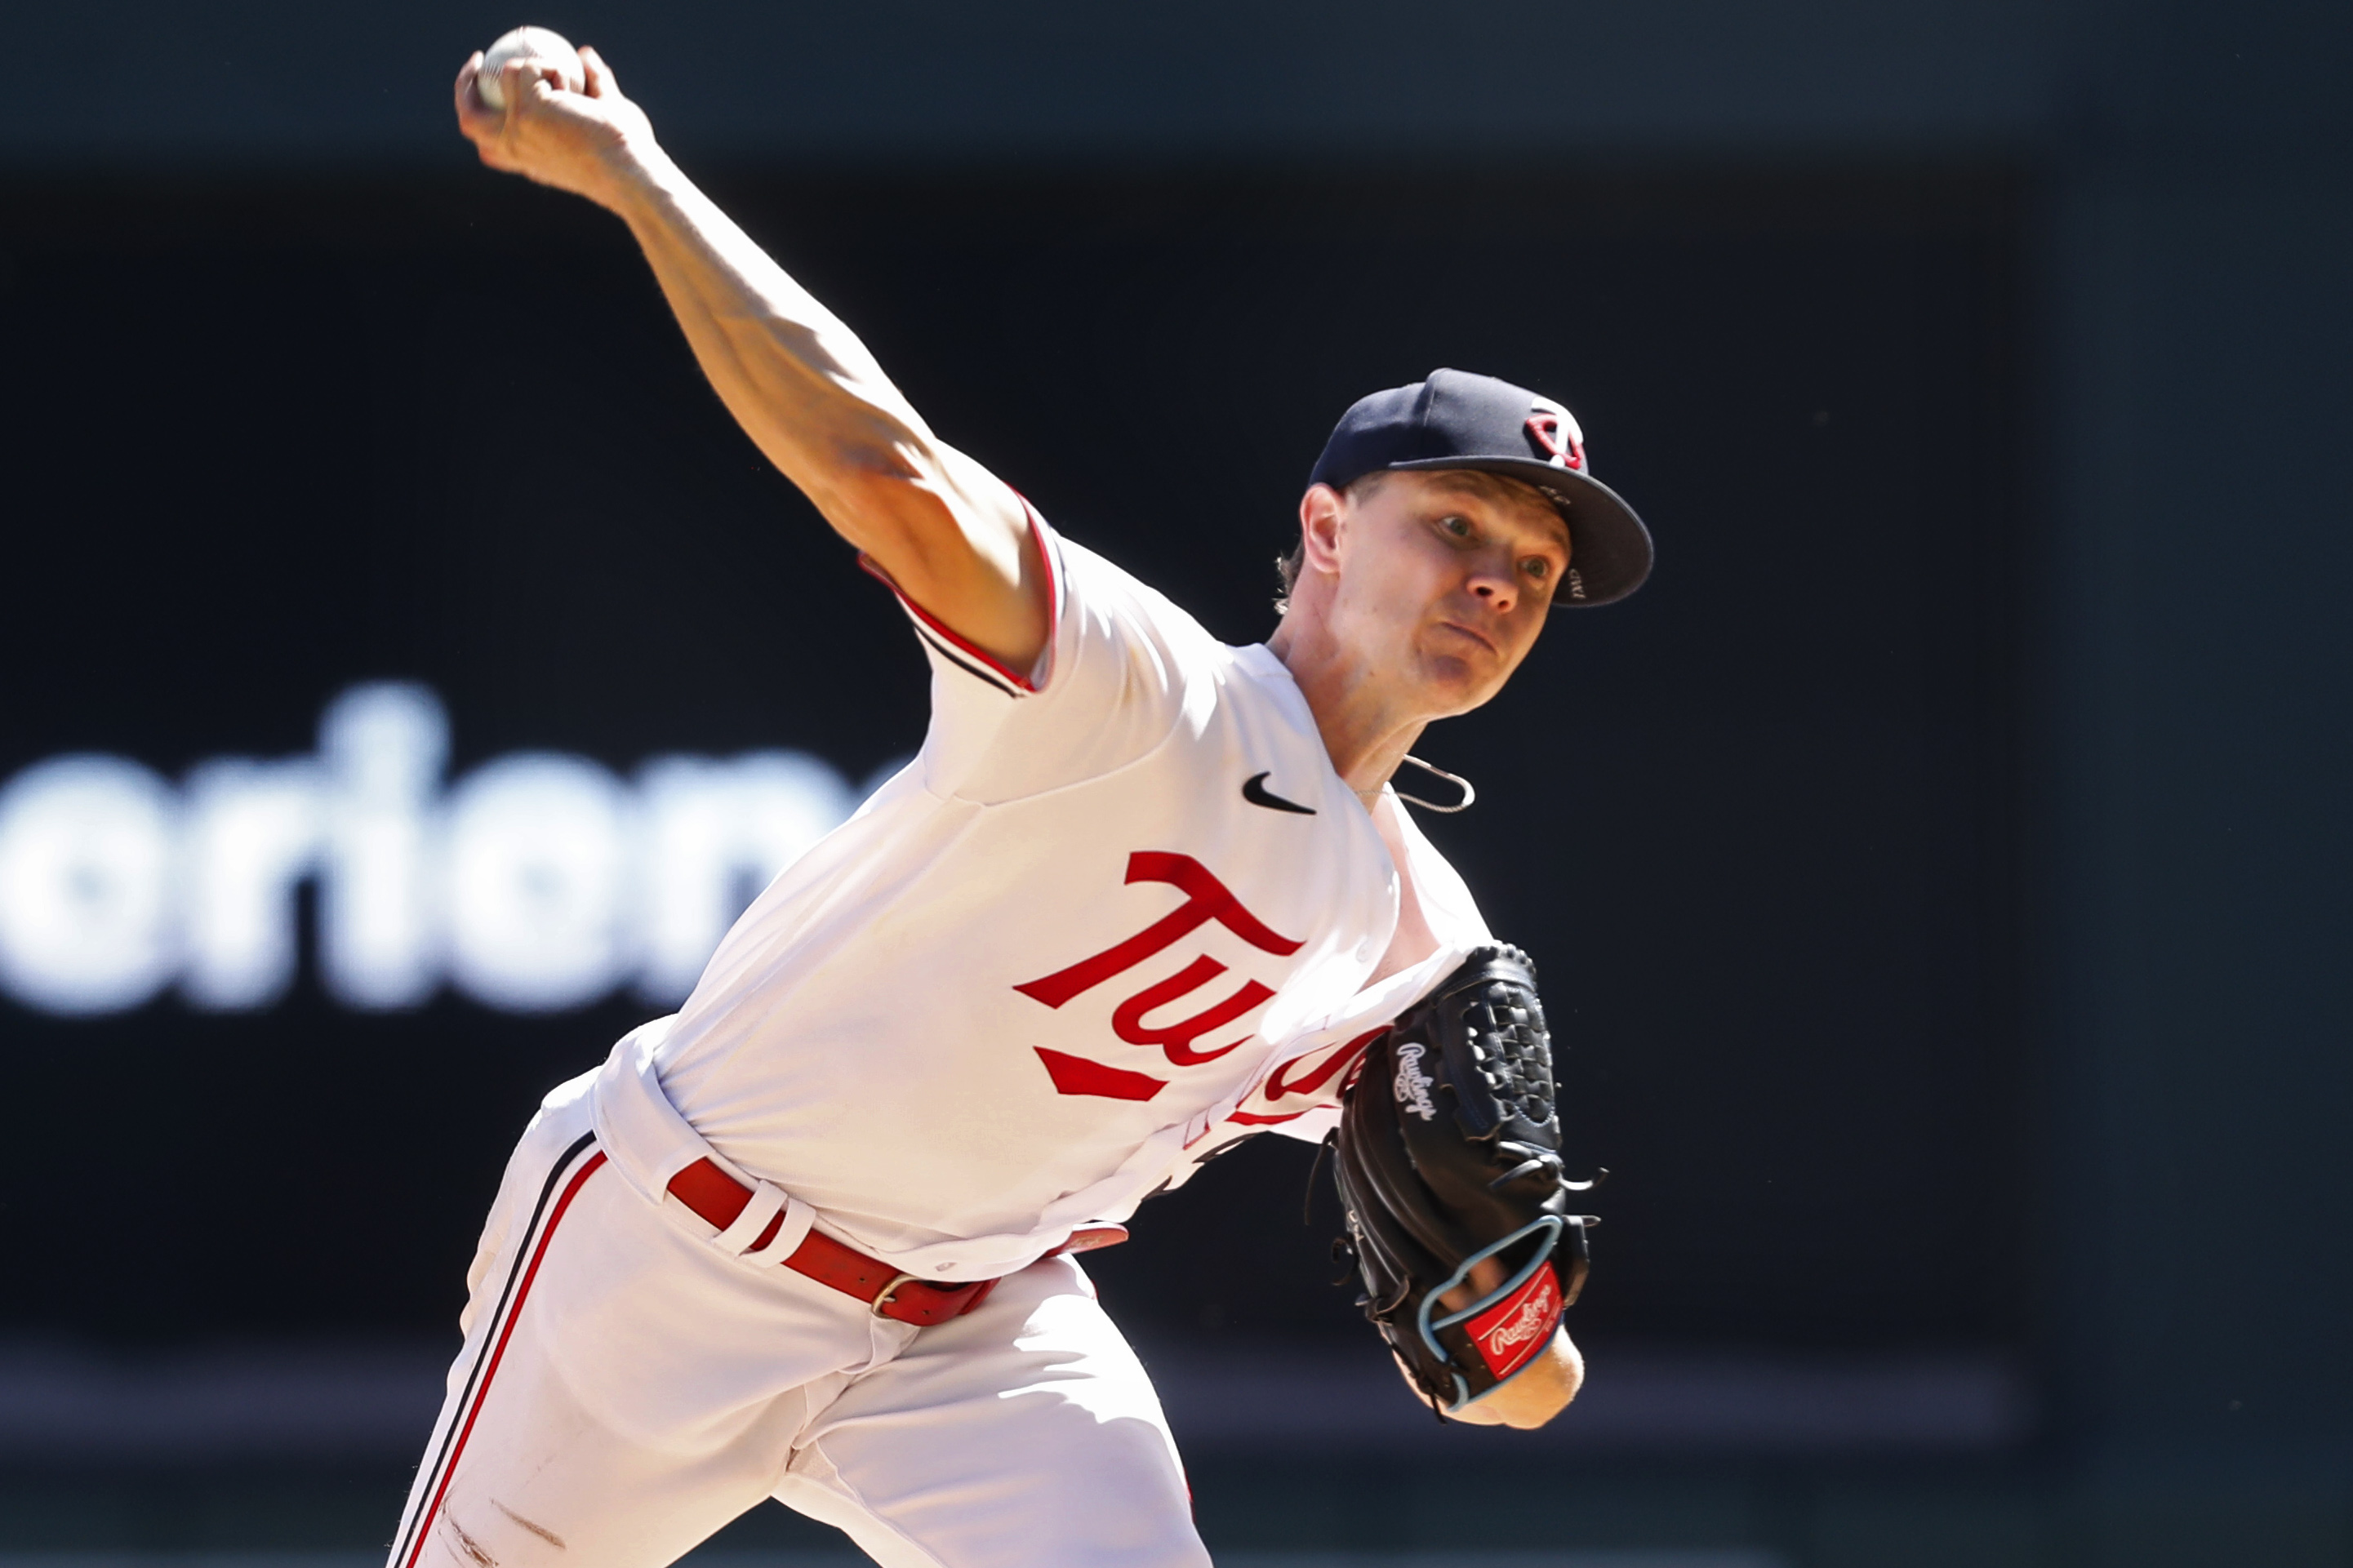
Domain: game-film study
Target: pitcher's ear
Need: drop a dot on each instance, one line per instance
(1323, 519)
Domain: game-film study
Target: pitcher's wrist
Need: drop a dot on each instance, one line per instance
(636, 177)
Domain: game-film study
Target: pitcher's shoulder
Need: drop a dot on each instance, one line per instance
(1099, 589)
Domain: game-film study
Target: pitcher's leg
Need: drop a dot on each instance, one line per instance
(623, 1390)
(519, 1473)
(543, 1482)
(1023, 1435)
(555, 1158)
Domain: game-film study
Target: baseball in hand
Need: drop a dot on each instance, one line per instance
(541, 47)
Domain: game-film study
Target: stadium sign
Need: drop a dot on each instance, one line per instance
(539, 881)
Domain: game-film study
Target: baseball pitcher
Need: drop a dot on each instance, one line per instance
(1141, 894)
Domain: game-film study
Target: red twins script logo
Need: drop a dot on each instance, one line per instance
(1511, 1332)
(1206, 900)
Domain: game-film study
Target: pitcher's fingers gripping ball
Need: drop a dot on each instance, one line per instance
(1451, 1173)
(532, 105)
(547, 55)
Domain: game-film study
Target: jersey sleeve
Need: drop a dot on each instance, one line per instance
(1117, 677)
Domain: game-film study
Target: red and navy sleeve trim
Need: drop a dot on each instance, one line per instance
(975, 661)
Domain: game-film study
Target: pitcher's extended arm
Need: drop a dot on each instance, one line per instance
(951, 534)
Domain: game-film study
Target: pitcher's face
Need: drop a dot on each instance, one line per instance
(1444, 579)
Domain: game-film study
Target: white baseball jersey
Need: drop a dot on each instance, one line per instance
(1119, 911)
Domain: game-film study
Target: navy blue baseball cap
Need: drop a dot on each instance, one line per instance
(1455, 419)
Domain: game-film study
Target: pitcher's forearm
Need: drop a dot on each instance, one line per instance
(819, 406)
(798, 381)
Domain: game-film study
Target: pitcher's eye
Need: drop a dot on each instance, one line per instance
(1538, 568)
(1460, 527)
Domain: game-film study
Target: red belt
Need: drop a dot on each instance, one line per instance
(719, 1198)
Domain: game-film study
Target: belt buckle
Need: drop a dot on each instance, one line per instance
(888, 1291)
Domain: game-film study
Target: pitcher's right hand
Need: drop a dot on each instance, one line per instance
(578, 142)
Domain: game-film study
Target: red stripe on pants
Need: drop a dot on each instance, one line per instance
(490, 1371)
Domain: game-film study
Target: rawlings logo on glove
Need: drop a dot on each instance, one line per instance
(1511, 1332)
(1413, 1085)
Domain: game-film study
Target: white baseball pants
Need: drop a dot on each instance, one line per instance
(626, 1388)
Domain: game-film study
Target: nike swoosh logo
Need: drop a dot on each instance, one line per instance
(1254, 790)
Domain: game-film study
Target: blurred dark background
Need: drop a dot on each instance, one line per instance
(1935, 870)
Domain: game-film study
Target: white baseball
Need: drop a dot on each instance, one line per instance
(536, 45)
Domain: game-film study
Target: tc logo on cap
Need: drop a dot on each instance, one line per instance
(1557, 436)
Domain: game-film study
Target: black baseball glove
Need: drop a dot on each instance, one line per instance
(1450, 1170)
